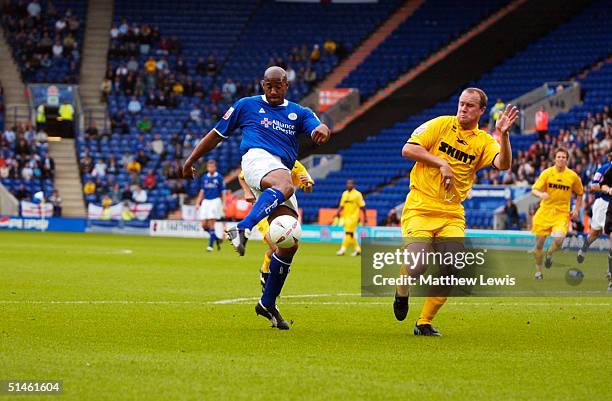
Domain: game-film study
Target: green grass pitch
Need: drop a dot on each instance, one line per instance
(139, 318)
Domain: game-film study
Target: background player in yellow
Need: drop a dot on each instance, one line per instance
(301, 179)
(448, 151)
(554, 187)
(351, 203)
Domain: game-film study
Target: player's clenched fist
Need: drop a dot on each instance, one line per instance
(188, 170)
(321, 134)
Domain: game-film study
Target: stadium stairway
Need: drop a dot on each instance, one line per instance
(371, 43)
(93, 67)
(67, 178)
(14, 90)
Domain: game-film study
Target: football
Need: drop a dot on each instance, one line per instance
(285, 231)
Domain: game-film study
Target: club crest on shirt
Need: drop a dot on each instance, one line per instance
(419, 129)
(292, 116)
(228, 113)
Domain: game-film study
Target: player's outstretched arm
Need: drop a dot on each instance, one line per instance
(503, 161)
(206, 144)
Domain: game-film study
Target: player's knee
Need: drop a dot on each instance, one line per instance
(287, 189)
(287, 253)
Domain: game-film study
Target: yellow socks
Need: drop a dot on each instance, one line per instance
(265, 267)
(430, 308)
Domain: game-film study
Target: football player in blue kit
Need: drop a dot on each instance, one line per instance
(270, 127)
(210, 202)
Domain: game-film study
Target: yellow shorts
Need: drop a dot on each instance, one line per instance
(263, 226)
(350, 224)
(419, 224)
(547, 222)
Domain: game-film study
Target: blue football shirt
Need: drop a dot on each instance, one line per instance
(272, 128)
(212, 185)
(598, 178)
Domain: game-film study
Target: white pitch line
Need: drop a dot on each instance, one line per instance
(245, 301)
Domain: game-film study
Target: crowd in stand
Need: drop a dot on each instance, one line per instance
(141, 164)
(1, 106)
(41, 38)
(142, 62)
(23, 154)
(587, 143)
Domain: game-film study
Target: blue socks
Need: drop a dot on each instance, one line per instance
(279, 269)
(212, 238)
(267, 202)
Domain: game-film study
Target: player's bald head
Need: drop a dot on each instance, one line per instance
(275, 73)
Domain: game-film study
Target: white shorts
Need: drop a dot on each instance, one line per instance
(256, 163)
(210, 209)
(600, 208)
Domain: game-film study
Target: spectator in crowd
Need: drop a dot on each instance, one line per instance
(99, 169)
(315, 54)
(291, 75)
(89, 188)
(392, 218)
(157, 145)
(105, 89)
(310, 76)
(48, 166)
(27, 172)
(115, 194)
(211, 66)
(134, 106)
(34, 9)
(541, 122)
(126, 213)
(126, 194)
(133, 166)
(195, 114)
(150, 181)
(9, 135)
(139, 195)
(229, 90)
(512, 215)
(142, 158)
(41, 138)
(145, 124)
(330, 47)
(56, 200)
(495, 112)
(21, 193)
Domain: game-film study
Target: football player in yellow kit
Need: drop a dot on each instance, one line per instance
(351, 203)
(554, 187)
(301, 179)
(448, 151)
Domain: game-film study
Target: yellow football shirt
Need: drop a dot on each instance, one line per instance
(351, 201)
(559, 185)
(466, 152)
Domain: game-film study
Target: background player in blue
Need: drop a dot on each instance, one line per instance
(270, 126)
(606, 187)
(599, 208)
(210, 202)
